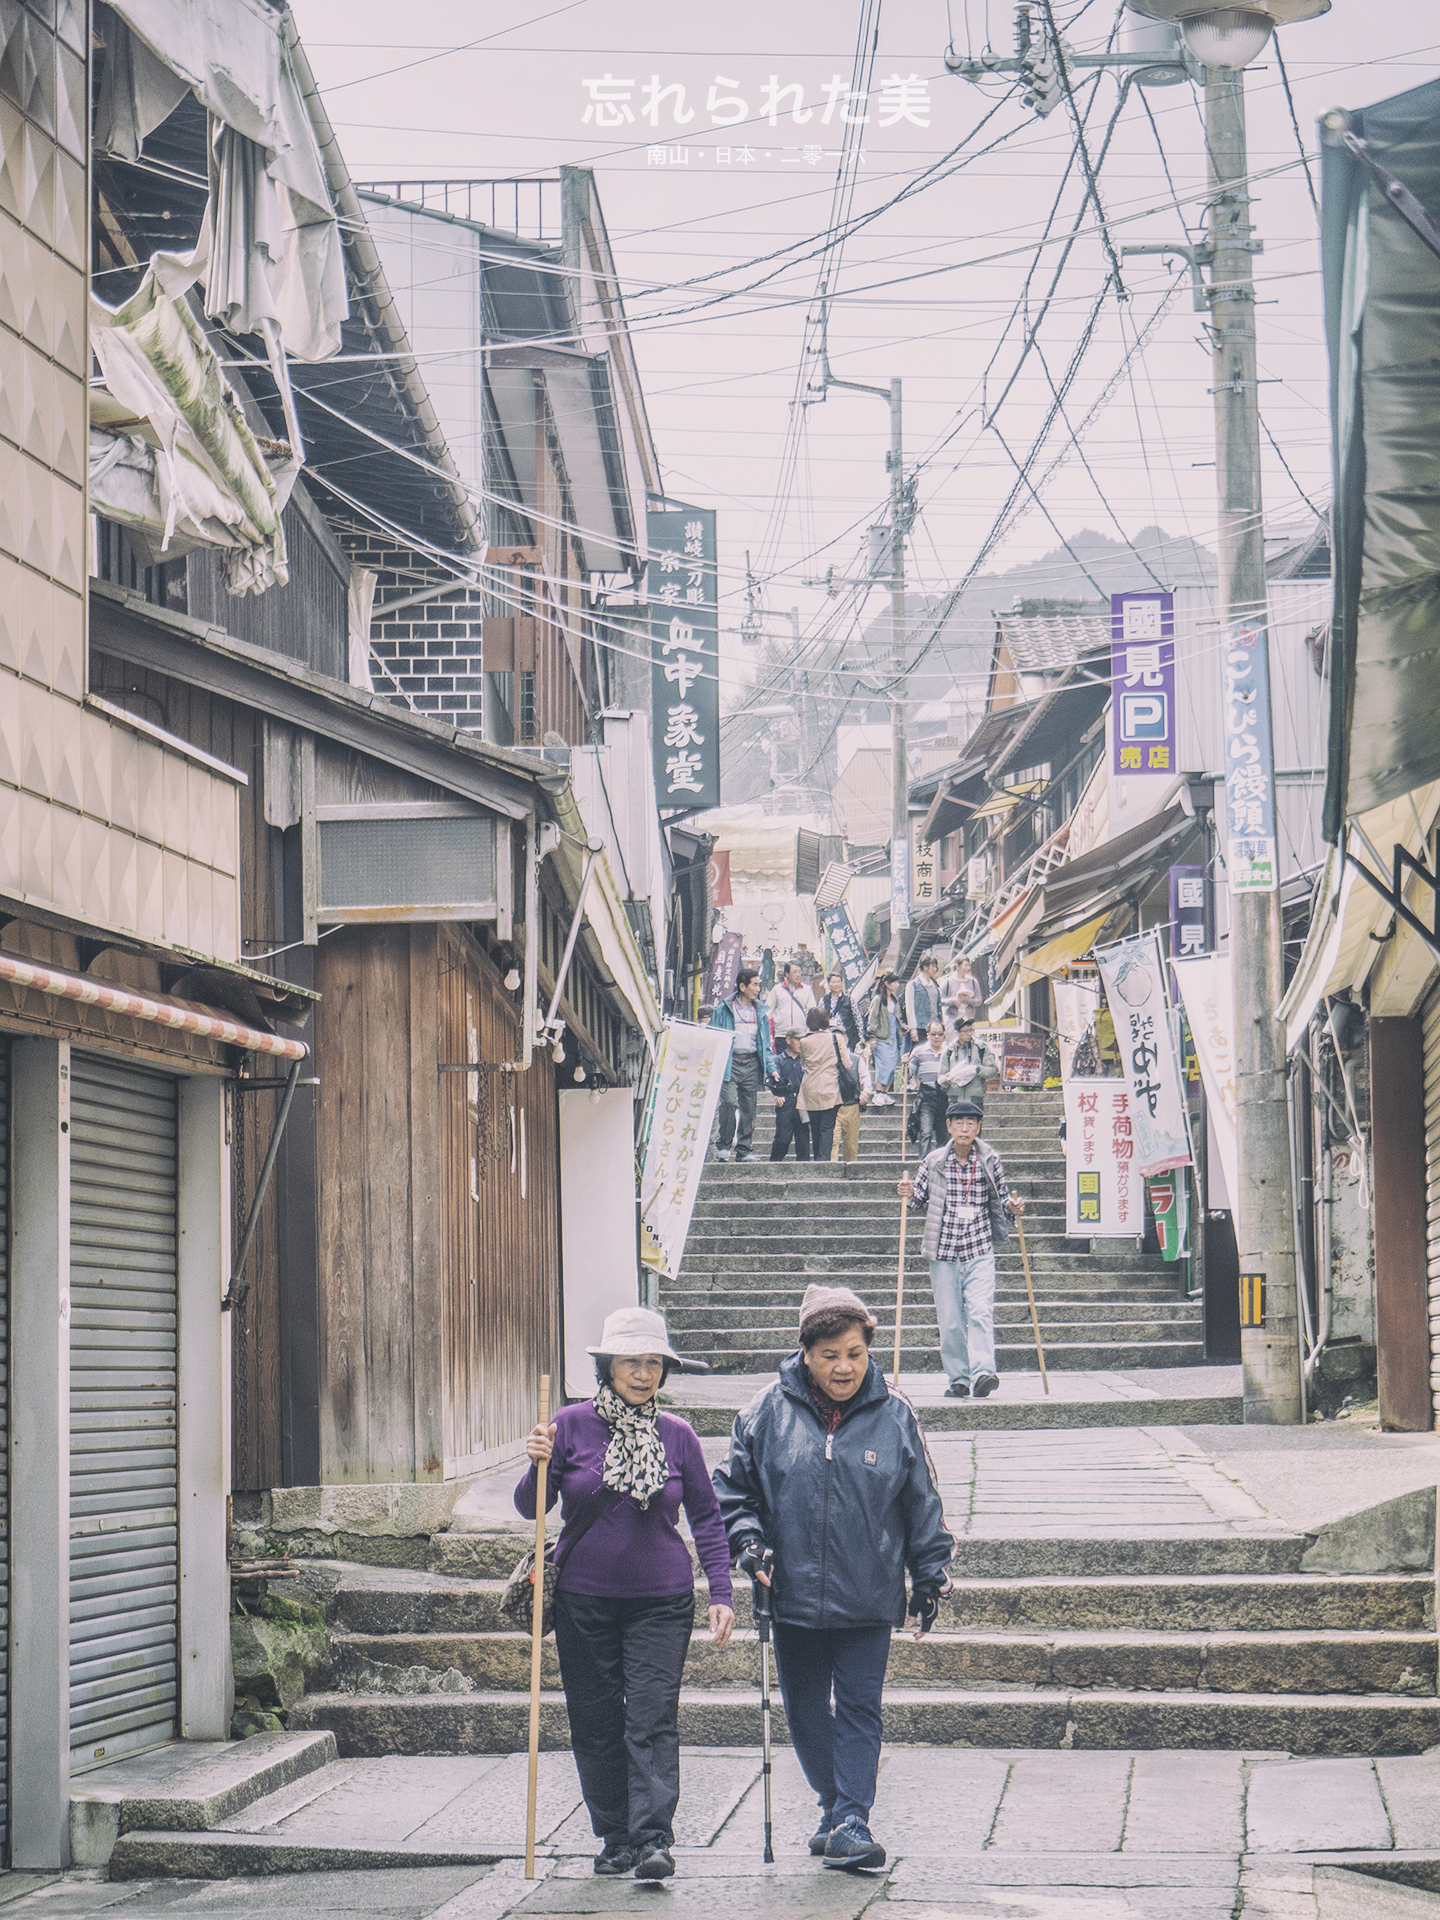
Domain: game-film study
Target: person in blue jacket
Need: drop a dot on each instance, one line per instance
(828, 1499)
(751, 1063)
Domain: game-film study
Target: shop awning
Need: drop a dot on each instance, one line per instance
(1132, 862)
(1062, 949)
(154, 1008)
(1382, 317)
(1349, 917)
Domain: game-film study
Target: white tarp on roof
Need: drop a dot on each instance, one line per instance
(270, 247)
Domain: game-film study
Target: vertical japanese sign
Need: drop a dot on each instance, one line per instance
(1142, 682)
(685, 656)
(1076, 1005)
(843, 938)
(924, 872)
(720, 893)
(684, 1093)
(1187, 911)
(899, 887)
(1208, 990)
(1170, 1205)
(1104, 1194)
(1249, 761)
(723, 970)
(1134, 977)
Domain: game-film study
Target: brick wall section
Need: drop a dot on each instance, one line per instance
(429, 657)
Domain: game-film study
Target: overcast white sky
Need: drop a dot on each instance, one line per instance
(924, 291)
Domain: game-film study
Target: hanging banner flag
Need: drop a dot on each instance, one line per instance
(1208, 990)
(844, 939)
(899, 887)
(924, 871)
(1170, 1204)
(685, 656)
(1104, 1194)
(1142, 682)
(1076, 1005)
(720, 975)
(1134, 977)
(720, 894)
(1249, 761)
(684, 1093)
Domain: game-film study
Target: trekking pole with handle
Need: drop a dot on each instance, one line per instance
(537, 1621)
(760, 1607)
(904, 1209)
(1029, 1288)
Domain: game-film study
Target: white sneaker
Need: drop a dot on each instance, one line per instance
(723, 1153)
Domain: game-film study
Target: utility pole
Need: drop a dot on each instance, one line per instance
(899, 767)
(900, 515)
(1264, 1216)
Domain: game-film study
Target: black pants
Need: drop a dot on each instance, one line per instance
(822, 1133)
(789, 1126)
(838, 1748)
(620, 1664)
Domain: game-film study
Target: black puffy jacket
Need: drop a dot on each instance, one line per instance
(847, 1513)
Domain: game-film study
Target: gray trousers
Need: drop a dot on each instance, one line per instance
(738, 1093)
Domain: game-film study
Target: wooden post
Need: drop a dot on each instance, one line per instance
(537, 1616)
(904, 1211)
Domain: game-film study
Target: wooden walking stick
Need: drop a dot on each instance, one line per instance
(537, 1620)
(1030, 1290)
(904, 1209)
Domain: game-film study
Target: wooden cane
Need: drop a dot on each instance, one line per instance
(904, 1209)
(537, 1619)
(1034, 1317)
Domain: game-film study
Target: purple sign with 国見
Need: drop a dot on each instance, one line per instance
(1142, 682)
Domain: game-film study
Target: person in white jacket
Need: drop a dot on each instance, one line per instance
(790, 1002)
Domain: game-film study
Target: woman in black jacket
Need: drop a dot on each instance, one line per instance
(827, 1499)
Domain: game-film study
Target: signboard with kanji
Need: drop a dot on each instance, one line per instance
(1187, 912)
(1249, 761)
(684, 1091)
(1104, 1193)
(849, 954)
(1134, 977)
(1142, 683)
(924, 871)
(685, 656)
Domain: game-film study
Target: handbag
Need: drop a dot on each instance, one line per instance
(848, 1078)
(517, 1602)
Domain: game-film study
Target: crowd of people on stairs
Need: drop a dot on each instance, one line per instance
(823, 1060)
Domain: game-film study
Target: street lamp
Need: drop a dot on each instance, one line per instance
(1226, 39)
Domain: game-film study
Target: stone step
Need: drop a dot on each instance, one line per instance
(1000, 1414)
(227, 1856)
(769, 1297)
(1264, 1662)
(802, 1254)
(1114, 1719)
(1010, 1310)
(186, 1786)
(1062, 1356)
(1012, 1598)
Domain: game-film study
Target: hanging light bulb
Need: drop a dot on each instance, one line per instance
(579, 1072)
(557, 1053)
(512, 978)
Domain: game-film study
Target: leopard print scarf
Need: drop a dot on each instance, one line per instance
(635, 1460)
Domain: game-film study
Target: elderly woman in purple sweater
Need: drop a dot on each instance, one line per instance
(625, 1596)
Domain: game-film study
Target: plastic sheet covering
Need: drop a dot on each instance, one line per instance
(211, 479)
(270, 247)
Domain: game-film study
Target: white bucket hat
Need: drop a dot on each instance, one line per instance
(632, 1331)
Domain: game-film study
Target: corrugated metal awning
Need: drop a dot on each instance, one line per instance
(154, 1008)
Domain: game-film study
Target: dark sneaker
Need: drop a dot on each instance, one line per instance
(985, 1384)
(822, 1832)
(957, 1390)
(653, 1862)
(618, 1857)
(851, 1847)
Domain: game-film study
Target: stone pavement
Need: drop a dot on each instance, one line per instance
(973, 1835)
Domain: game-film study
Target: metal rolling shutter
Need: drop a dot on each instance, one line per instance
(1430, 1016)
(4, 1450)
(123, 1488)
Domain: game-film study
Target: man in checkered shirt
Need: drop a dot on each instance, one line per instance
(973, 1212)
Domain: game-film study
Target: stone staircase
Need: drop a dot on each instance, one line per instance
(1114, 1643)
(761, 1233)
